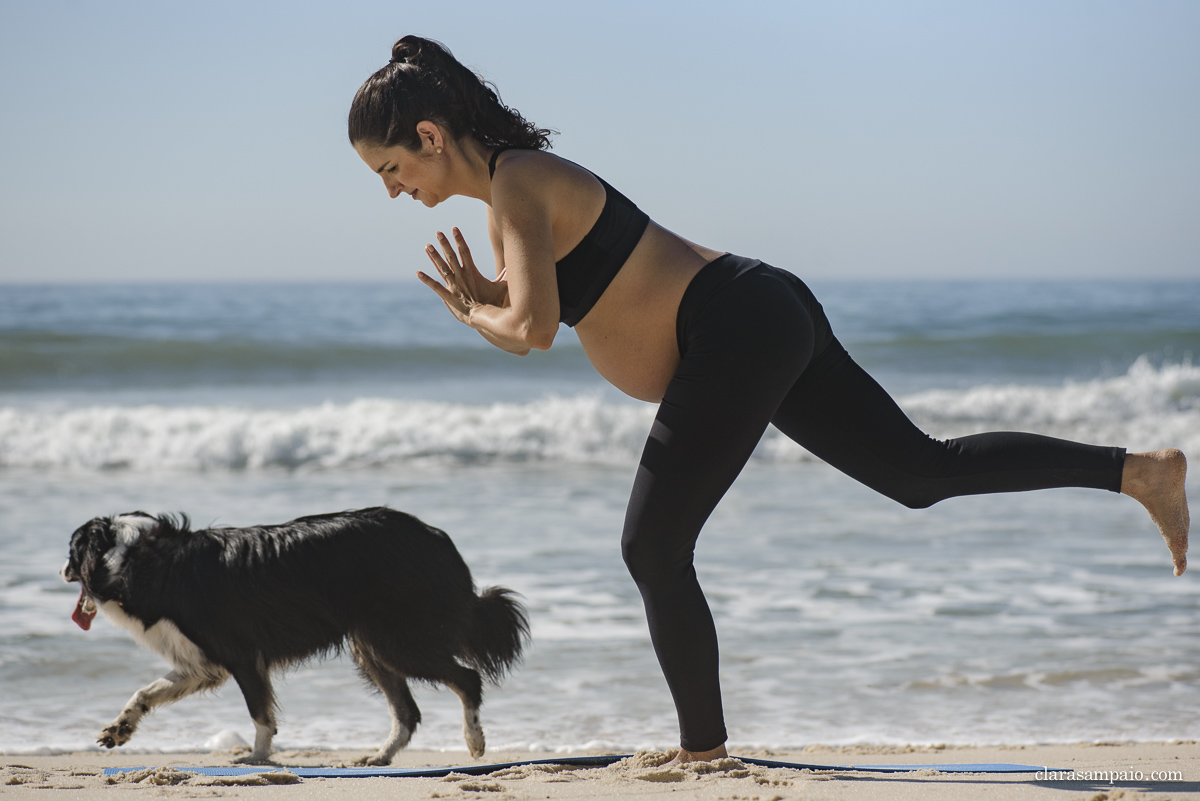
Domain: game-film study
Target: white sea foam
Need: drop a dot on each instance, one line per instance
(363, 433)
(1148, 407)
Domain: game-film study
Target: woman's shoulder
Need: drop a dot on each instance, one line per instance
(538, 165)
(521, 172)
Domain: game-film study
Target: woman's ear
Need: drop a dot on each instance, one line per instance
(432, 138)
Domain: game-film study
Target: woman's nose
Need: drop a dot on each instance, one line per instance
(393, 187)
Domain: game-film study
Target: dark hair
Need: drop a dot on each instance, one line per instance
(424, 81)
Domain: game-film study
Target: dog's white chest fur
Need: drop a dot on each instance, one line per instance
(166, 640)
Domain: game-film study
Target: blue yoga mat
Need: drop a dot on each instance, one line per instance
(583, 762)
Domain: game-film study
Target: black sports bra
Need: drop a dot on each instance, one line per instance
(585, 272)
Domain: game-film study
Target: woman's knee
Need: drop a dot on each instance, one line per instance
(640, 560)
(648, 561)
(911, 490)
(916, 496)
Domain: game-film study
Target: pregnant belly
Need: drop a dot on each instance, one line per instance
(629, 335)
(639, 362)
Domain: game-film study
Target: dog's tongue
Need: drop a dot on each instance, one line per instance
(84, 619)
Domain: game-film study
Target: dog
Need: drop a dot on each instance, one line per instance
(242, 602)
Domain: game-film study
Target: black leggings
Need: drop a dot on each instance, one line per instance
(756, 349)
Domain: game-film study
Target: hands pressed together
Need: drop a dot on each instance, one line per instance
(465, 287)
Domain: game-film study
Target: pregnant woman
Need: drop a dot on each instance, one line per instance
(724, 344)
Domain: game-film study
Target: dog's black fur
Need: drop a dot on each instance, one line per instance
(242, 601)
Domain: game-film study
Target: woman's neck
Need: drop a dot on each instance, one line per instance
(470, 168)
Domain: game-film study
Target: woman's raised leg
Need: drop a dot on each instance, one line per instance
(840, 414)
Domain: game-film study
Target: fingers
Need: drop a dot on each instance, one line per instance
(461, 260)
(464, 252)
(433, 284)
(456, 268)
(444, 268)
(459, 277)
(464, 286)
(448, 251)
(467, 275)
(453, 302)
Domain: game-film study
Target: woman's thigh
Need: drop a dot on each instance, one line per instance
(841, 415)
(743, 351)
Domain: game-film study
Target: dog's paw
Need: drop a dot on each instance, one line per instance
(116, 734)
(475, 742)
(375, 761)
(254, 759)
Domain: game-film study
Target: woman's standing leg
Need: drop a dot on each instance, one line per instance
(741, 355)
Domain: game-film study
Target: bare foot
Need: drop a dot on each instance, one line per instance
(1156, 480)
(685, 756)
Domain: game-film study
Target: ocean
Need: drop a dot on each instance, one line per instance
(843, 617)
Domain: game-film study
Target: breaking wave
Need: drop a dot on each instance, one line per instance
(1147, 407)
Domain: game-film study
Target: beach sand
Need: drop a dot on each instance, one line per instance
(79, 775)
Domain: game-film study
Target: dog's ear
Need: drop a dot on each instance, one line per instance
(161, 525)
(172, 525)
(89, 543)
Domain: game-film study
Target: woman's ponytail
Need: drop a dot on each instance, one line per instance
(424, 81)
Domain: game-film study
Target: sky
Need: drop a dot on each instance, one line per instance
(184, 142)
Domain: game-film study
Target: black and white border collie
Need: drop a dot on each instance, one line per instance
(242, 601)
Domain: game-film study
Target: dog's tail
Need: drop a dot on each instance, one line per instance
(499, 631)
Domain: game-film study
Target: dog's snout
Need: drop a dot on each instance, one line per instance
(68, 575)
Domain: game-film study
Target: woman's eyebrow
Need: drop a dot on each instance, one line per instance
(381, 166)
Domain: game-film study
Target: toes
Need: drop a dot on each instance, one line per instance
(114, 735)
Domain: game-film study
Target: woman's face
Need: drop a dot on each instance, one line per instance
(418, 174)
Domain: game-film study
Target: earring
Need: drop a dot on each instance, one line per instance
(439, 150)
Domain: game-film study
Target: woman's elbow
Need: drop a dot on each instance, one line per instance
(534, 328)
(540, 337)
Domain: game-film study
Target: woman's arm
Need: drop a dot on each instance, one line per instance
(519, 310)
(464, 284)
